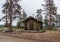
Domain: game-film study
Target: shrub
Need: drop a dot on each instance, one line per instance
(43, 30)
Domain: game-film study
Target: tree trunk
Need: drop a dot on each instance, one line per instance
(50, 27)
(6, 20)
(10, 24)
(10, 14)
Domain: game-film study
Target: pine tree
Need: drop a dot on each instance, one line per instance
(50, 10)
(39, 16)
(13, 9)
(23, 16)
(5, 11)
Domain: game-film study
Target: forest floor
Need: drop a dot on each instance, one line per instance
(48, 36)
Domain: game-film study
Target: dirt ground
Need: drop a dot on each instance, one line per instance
(48, 36)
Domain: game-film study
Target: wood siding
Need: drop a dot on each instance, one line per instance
(31, 24)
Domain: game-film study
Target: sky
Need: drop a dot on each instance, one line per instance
(30, 7)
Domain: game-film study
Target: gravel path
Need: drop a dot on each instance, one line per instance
(50, 36)
(12, 39)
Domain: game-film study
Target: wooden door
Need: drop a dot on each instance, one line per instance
(31, 26)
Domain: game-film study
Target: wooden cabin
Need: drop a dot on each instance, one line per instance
(32, 24)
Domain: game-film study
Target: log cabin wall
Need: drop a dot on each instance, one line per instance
(32, 24)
